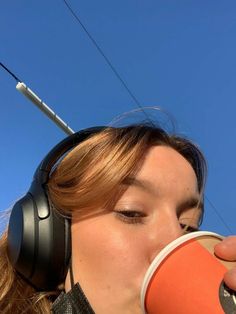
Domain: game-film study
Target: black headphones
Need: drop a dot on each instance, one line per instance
(39, 240)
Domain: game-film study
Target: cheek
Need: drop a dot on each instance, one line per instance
(111, 254)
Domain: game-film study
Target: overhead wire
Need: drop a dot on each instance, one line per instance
(219, 215)
(127, 88)
(10, 72)
(107, 60)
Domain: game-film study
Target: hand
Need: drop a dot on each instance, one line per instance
(227, 251)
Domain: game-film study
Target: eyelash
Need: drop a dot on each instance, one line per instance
(131, 216)
(188, 229)
(136, 217)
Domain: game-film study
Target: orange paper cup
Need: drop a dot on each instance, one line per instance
(187, 278)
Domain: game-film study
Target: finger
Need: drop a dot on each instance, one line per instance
(227, 249)
(230, 279)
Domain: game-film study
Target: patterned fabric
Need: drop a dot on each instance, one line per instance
(73, 302)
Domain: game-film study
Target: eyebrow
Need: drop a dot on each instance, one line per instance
(192, 202)
(140, 183)
(147, 186)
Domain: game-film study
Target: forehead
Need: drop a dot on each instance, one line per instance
(164, 165)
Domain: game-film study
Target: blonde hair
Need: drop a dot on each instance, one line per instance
(87, 179)
(17, 296)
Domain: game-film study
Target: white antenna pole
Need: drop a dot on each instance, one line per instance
(43, 107)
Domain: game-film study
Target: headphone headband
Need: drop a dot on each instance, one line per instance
(42, 172)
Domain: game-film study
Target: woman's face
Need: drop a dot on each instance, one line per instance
(112, 251)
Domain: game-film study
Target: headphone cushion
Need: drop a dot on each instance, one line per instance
(38, 248)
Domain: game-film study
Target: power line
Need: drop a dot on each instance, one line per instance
(106, 59)
(12, 74)
(219, 216)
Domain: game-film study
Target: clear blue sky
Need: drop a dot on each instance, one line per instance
(179, 55)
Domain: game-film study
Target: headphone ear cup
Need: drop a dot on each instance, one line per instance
(53, 265)
(39, 248)
(21, 236)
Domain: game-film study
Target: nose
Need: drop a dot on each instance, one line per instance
(166, 230)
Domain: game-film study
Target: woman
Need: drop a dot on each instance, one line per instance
(127, 192)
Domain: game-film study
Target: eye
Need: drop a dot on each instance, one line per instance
(131, 216)
(188, 229)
